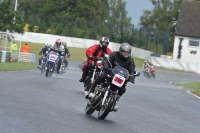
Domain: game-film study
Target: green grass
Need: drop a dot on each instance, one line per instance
(191, 86)
(14, 66)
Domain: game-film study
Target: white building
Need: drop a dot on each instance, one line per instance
(188, 30)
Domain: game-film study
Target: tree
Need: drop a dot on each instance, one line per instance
(67, 17)
(161, 17)
(118, 22)
(7, 21)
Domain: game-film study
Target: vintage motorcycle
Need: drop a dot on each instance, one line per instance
(105, 95)
(93, 73)
(51, 64)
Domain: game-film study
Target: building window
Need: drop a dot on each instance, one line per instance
(194, 42)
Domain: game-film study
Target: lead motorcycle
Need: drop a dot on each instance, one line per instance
(105, 94)
(51, 64)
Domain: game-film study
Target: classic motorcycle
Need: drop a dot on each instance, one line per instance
(105, 95)
(93, 73)
(51, 64)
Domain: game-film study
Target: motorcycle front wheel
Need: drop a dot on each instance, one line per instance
(89, 110)
(106, 108)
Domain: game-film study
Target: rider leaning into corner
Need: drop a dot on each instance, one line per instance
(93, 53)
(58, 47)
(44, 51)
(121, 58)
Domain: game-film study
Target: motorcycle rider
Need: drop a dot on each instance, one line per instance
(147, 65)
(121, 58)
(66, 53)
(44, 51)
(93, 53)
(59, 48)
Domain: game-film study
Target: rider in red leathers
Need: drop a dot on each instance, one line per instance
(94, 52)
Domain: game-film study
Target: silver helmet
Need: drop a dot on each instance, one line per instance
(125, 50)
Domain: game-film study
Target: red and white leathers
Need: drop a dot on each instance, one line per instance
(90, 53)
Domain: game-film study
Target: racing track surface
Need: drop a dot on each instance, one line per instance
(32, 103)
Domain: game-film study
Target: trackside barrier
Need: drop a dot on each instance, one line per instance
(175, 64)
(23, 57)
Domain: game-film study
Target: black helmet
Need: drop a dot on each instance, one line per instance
(125, 50)
(104, 42)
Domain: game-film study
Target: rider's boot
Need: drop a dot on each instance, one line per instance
(115, 108)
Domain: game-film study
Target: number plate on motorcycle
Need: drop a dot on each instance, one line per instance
(118, 80)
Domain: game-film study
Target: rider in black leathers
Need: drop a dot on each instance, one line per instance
(121, 58)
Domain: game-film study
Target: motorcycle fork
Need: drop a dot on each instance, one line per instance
(105, 95)
(92, 79)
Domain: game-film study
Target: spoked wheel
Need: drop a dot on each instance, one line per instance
(106, 108)
(89, 110)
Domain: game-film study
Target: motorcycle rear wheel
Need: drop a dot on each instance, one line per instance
(105, 109)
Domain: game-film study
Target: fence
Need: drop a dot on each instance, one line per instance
(6, 40)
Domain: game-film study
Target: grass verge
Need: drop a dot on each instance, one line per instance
(14, 66)
(194, 87)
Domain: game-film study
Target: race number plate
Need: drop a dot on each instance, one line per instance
(53, 57)
(118, 80)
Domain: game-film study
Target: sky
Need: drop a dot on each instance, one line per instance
(135, 9)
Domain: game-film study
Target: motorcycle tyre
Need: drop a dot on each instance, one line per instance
(107, 110)
(89, 110)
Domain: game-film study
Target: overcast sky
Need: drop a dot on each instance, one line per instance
(135, 9)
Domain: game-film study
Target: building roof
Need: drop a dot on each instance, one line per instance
(189, 20)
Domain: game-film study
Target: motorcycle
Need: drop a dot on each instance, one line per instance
(93, 73)
(105, 95)
(43, 64)
(51, 64)
(62, 65)
(150, 72)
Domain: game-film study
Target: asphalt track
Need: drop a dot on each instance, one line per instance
(32, 103)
